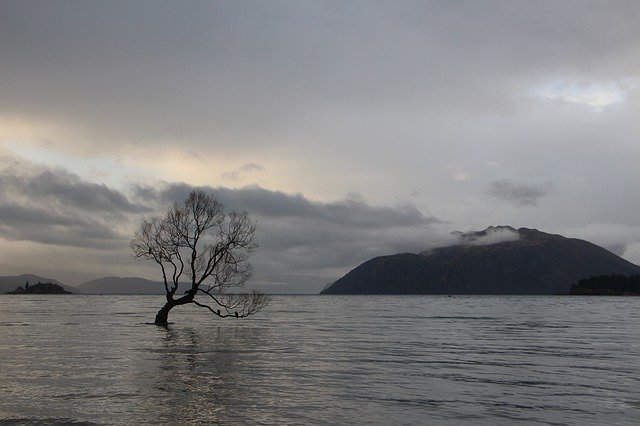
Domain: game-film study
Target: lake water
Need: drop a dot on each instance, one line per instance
(323, 360)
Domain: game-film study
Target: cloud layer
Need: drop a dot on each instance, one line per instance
(384, 95)
(299, 237)
(303, 243)
(478, 113)
(53, 206)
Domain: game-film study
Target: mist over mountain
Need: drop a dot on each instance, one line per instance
(497, 260)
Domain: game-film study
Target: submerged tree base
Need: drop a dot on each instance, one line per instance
(162, 317)
(233, 305)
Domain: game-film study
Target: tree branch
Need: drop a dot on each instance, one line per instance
(202, 305)
(198, 239)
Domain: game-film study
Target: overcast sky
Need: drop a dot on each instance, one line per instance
(349, 129)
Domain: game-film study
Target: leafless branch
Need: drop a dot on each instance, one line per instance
(201, 242)
(237, 305)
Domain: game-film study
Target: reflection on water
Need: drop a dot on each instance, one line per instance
(207, 369)
(322, 359)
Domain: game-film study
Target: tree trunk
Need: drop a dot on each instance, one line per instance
(162, 316)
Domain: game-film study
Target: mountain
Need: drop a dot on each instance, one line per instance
(10, 283)
(498, 260)
(116, 285)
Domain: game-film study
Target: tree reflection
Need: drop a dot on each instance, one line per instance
(209, 375)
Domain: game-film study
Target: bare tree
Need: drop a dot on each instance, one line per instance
(198, 241)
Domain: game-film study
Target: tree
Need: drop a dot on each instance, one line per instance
(197, 240)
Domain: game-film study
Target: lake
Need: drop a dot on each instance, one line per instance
(323, 360)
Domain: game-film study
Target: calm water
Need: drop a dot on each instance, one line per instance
(322, 359)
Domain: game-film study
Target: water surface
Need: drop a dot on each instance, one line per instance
(323, 359)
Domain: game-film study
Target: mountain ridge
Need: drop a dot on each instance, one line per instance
(104, 285)
(122, 285)
(497, 260)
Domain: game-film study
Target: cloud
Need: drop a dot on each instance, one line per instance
(371, 96)
(54, 206)
(594, 95)
(238, 174)
(302, 236)
(624, 240)
(487, 237)
(495, 235)
(632, 252)
(311, 58)
(295, 88)
(299, 237)
(519, 194)
(58, 188)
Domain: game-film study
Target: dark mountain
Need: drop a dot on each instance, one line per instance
(116, 285)
(10, 283)
(498, 260)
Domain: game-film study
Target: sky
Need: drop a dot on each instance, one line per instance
(348, 129)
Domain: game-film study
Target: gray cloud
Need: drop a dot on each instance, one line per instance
(314, 59)
(497, 236)
(624, 240)
(489, 236)
(519, 194)
(299, 237)
(59, 188)
(302, 236)
(269, 203)
(431, 101)
(238, 174)
(53, 206)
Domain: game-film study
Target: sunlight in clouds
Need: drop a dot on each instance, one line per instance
(594, 95)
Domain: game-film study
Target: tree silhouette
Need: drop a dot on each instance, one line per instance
(197, 240)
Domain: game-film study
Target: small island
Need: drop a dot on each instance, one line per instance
(40, 288)
(607, 285)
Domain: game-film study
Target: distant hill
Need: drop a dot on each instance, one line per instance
(498, 260)
(10, 283)
(117, 285)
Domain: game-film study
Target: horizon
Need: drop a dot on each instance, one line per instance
(489, 236)
(348, 130)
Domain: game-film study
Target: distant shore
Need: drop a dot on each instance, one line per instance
(40, 288)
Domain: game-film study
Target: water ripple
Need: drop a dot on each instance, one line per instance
(323, 360)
